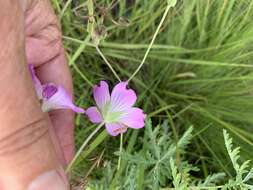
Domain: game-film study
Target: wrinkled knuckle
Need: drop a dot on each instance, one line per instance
(54, 38)
(49, 28)
(23, 137)
(54, 29)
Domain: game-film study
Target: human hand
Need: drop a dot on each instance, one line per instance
(30, 146)
(44, 50)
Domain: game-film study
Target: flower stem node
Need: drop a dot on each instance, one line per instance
(172, 3)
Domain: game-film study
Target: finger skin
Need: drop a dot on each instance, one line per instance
(57, 71)
(44, 49)
(64, 128)
(26, 149)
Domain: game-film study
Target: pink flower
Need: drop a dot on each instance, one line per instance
(116, 110)
(52, 96)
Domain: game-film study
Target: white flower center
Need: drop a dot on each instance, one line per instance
(109, 116)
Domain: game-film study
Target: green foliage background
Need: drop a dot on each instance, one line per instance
(199, 73)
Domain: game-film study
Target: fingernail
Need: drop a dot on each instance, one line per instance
(48, 181)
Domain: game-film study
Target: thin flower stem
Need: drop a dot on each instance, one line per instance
(67, 4)
(120, 150)
(116, 75)
(83, 146)
(107, 62)
(152, 42)
(140, 66)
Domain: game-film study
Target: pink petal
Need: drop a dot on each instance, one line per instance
(133, 118)
(101, 94)
(122, 98)
(57, 99)
(115, 129)
(36, 81)
(94, 115)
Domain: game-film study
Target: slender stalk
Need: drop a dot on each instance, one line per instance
(65, 8)
(79, 51)
(116, 75)
(152, 42)
(82, 75)
(83, 146)
(140, 66)
(120, 150)
(107, 62)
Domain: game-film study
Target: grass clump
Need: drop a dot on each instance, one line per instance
(198, 73)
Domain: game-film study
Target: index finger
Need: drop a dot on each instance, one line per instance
(44, 49)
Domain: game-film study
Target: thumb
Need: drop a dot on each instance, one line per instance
(28, 160)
